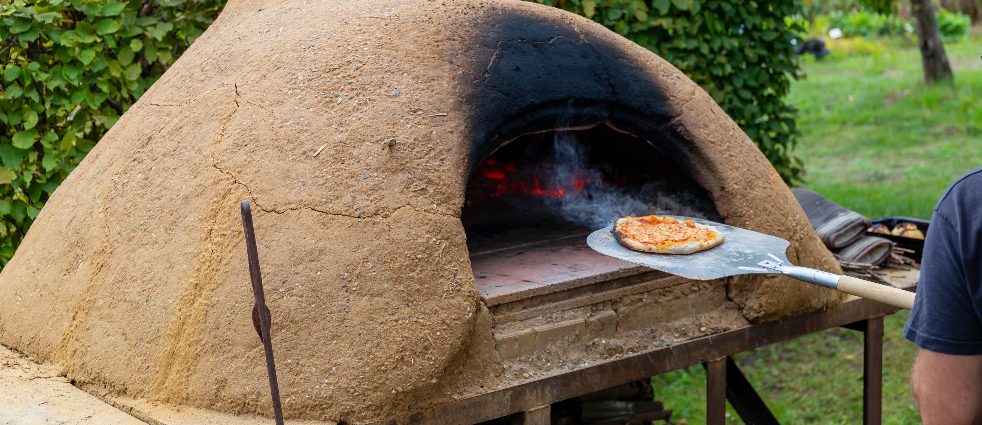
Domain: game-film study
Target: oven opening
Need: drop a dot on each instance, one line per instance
(558, 186)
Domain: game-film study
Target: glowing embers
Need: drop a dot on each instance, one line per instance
(556, 187)
(495, 179)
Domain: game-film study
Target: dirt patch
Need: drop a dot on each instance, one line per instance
(895, 96)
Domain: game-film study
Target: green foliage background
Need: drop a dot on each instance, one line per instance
(738, 51)
(953, 26)
(70, 68)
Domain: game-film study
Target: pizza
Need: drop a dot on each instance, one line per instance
(665, 235)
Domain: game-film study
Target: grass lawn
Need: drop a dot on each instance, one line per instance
(875, 140)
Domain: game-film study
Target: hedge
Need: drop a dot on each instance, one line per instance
(70, 68)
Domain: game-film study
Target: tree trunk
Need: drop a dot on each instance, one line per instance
(936, 67)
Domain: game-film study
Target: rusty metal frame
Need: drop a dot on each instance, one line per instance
(713, 349)
(873, 371)
(741, 395)
(872, 330)
(716, 390)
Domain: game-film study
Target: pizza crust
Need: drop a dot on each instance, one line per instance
(675, 236)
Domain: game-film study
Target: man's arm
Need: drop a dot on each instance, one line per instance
(948, 388)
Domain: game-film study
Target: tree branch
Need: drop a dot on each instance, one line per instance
(10, 43)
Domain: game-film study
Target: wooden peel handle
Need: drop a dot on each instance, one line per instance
(883, 293)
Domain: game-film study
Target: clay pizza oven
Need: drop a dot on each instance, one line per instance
(422, 175)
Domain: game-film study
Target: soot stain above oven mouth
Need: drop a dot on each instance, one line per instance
(533, 75)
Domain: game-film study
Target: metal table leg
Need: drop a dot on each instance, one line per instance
(716, 391)
(873, 371)
(872, 330)
(745, 399)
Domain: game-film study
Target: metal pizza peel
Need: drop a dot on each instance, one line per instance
(745, 252)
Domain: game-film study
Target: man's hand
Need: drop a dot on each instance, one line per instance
(948, 388)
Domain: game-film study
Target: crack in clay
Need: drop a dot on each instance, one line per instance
(235, 180)
(497, 49)
(692, 96)
(583, 40)
(575, 28)
(193, 99)
(677, 114)
(357, 215)
(32, 378)
(494, 56)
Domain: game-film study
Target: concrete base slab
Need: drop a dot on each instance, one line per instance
(161, 414)
(37, 394)
(34, 394)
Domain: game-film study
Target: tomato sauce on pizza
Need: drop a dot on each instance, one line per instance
(665, 235)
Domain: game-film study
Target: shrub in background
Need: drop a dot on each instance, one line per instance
(739, 51)
(69, 70)
(953, 25)
(860, 23)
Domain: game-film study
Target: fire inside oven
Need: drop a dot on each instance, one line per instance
(555, 187)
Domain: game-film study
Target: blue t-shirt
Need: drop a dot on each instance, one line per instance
(947, 315)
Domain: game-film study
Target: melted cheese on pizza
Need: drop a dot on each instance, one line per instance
(665, 232)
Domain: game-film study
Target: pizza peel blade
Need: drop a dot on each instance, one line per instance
(741, 252)
(745, 252)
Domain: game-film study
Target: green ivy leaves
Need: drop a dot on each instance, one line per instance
(662, 6)
(106, 26)
(68, 70)
(740, 52)
(24, 139)
(11, 73)
(113, 8)
(86, 56)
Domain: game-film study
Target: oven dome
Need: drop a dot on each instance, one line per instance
(353, 127)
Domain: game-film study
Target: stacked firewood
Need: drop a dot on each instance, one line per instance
(898, 259)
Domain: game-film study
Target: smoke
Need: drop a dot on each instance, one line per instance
(592, 202)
